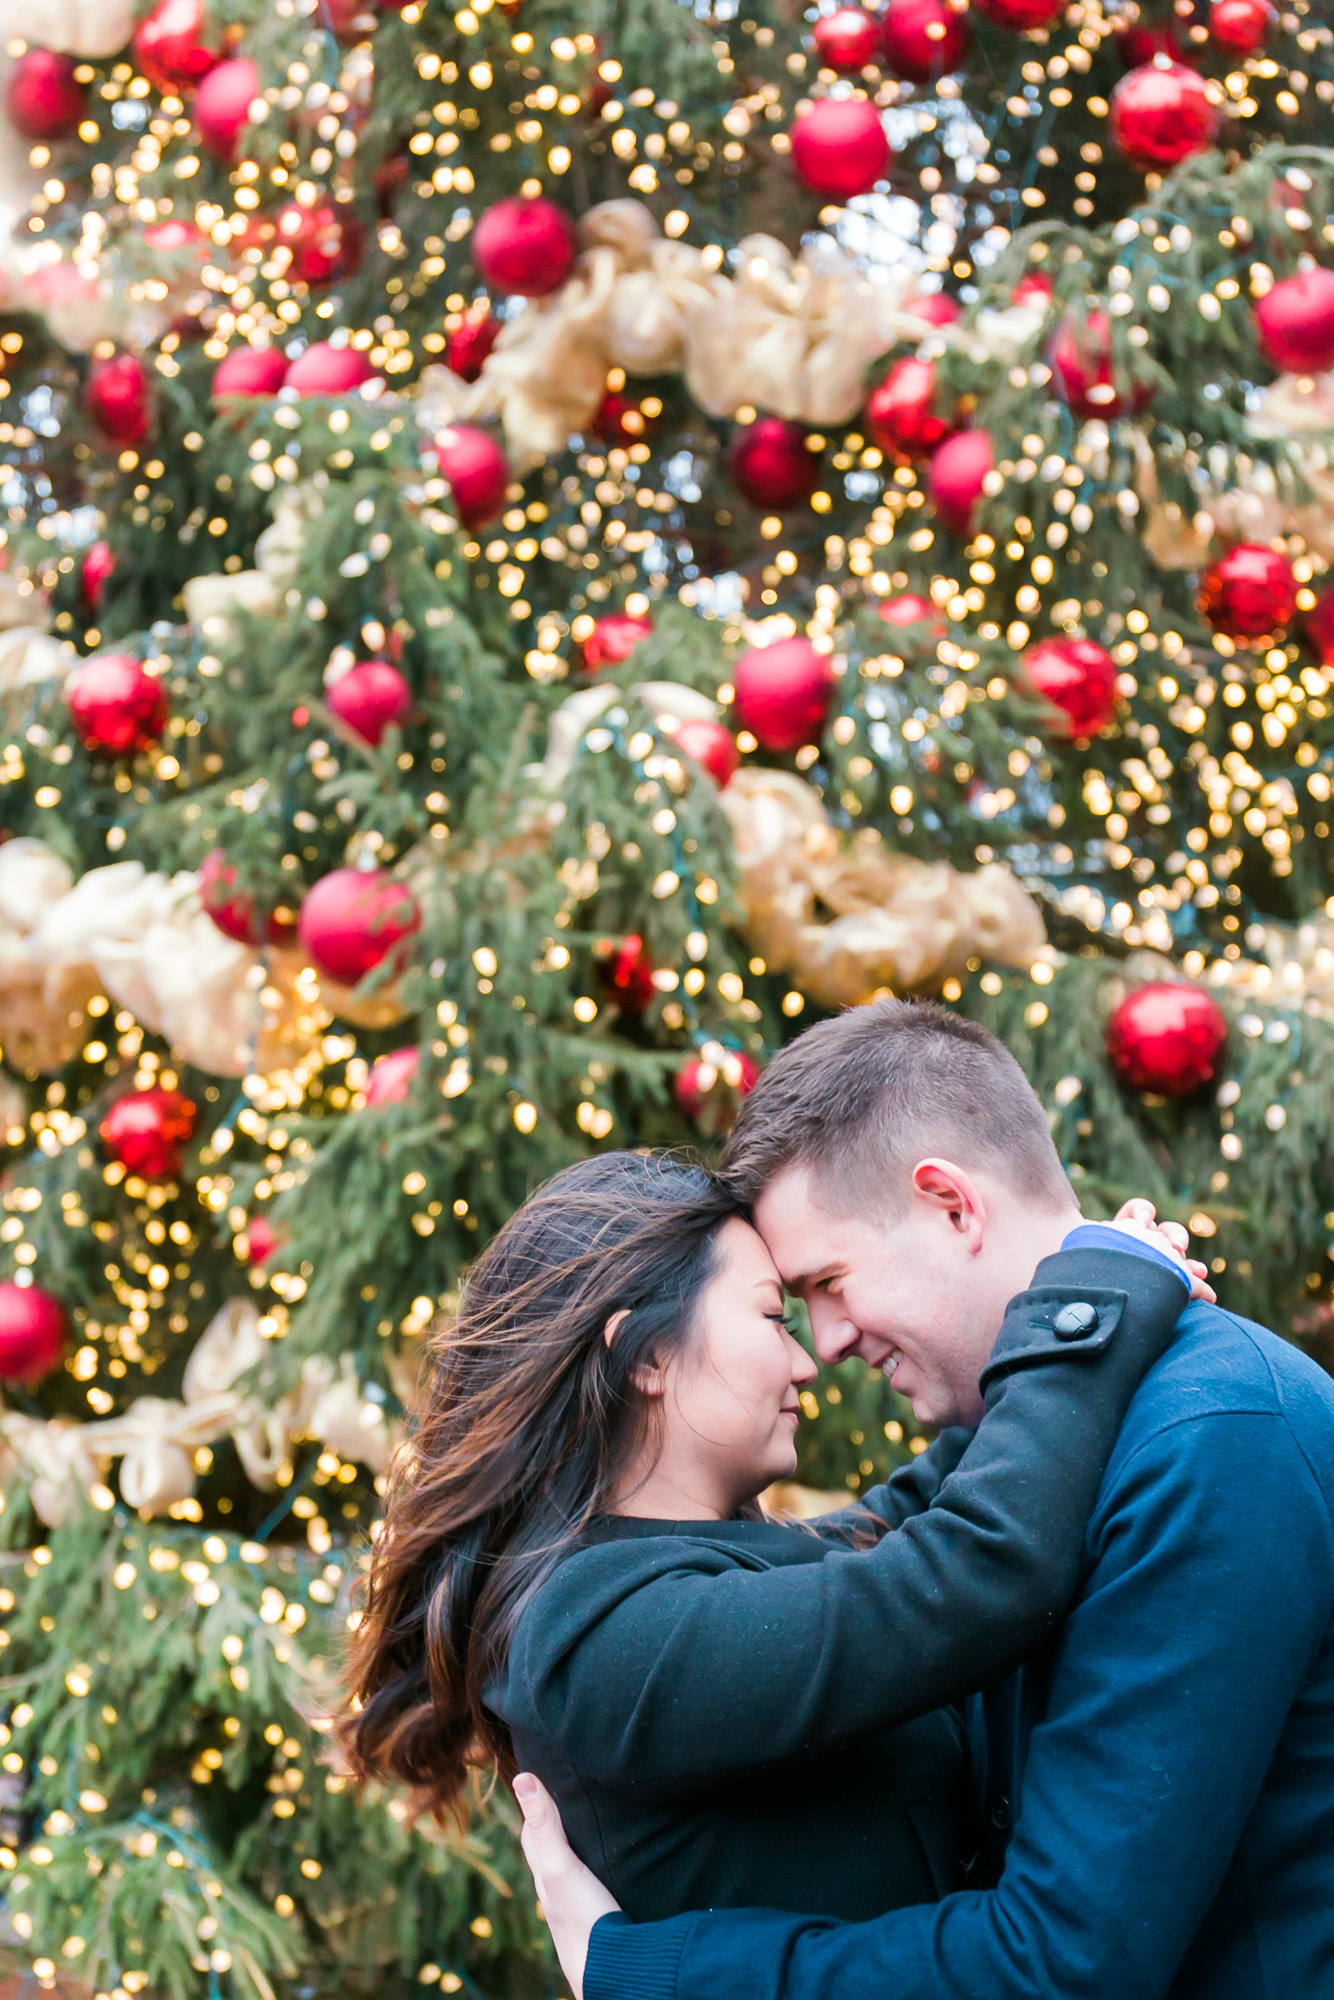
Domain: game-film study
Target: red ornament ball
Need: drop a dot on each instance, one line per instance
(325, 242)
(249, 371)
(1166, 1038)
(613, 639)
(99, 566)
(1137, 46)
(352, 920)
(839, 147)
(391, 1076)
(470, 343)
(924, 39)
(845, 40)
(42, 99)
(168, 47)
(370, 698)
(709, 744)
(712, 1092)
(1078, 678)
(147, 1131)
(1034, 285)
(910, 609)
(1020, 15)
(1240, 25)
(117, 399)
(477, 470)
(782, 693)
(262, 1239)
(1161, 114)
(32, 1332)
(901, 414)
(115, 704)
(233, 912)
(957, 475)
(325, 370)
(936, 308)
(1319, 627)
(1080, 357)
(524, 246)
(626, 971)
(620, 420)
(1294, 323)
(770, 464)
(222, 105)
(1250, 593)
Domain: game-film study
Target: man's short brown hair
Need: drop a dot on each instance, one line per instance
(859, 1100)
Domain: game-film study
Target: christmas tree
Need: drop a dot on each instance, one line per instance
(545, 546)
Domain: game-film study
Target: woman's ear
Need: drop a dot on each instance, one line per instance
(646, 1375)
(614, 1325)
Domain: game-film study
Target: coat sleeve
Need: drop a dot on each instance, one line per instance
(1208, 1602)
(680, 1668)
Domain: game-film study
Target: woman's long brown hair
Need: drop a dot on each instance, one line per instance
(527, 1421)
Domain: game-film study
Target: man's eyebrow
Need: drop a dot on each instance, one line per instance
(802, 1278)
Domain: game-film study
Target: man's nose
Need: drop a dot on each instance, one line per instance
(833, 1334)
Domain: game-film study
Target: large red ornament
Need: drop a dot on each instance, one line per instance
(477, 470)
(1240, 25)
(1161, 114)
(626, 971)
(249, 371)
(711, 1093)
(147, 1130)
(32, 1332)
(839, 147)
(901, 415)
(470, 343)
(391, 1076)
(222, 105)
(325, 242)
(117, 399)
(956, 479)
(1319, 627)
(41, 97)
(99, 566)
(524, 246)
(782, 693)
(232, 911)
(845, 40)
(1020, 15)
(352, 920)
(1166, 1038)
(168, 49)
(770, 464)
(1250, 593)
(910, 609)
(613, 639)
(709, 744)
(325, 370)
(115, 704)
(924, 39)
(1081, 363)
(1078, 678)
(370, 698)
(1294, 322)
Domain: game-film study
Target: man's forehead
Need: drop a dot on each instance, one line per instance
(801, 1235)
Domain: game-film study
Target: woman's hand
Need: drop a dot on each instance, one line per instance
(1138, 1217)
(571, 1897)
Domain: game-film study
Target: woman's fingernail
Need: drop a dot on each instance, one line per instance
(525, 1790)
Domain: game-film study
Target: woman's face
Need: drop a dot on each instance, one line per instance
(729, 1399)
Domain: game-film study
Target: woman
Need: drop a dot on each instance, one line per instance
(574, 1576)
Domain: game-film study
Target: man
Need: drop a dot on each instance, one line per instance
(1168, 1762)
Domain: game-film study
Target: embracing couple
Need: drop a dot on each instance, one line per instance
(1049, 1713)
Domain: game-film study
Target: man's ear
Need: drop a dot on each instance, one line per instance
(948, 1189)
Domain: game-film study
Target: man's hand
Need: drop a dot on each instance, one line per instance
(1139, 1217)
(571, 1897)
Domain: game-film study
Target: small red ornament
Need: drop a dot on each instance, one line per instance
(262, 1239)
(1020, 15)
(115, 704)
(222, 105)
(1166, 1038)
(1161, 114)
(1250, 593)
(1081, 362)
(712, 1092)
(169, 238)
(910, 609)
(1240, 25)
(956, 479)
(249, 371)
(325, 242)
(352, 920)
(470, 343)
(234, 913)
(709, 744)
(32, 1332)
(370, 698)
(147, 1130)
(626, 971)
(782, 693)
(325, 370)
(770, 464)
(620, 420)
(99, 566)
(117, 399)
(1294, 323)
(613, 639)
(167, 46)
(477, 470)
(1319, 628)
(387, 179)
(924, 39)
(524, 246)
(391, 1076)
(845, 40)
(936, 308)
(41, 97)
(1137, 46)
(839, 147)
(1078, 678)
(1034, 285)
(900, 412)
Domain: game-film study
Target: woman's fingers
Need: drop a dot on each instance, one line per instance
(1177, 1236)
(1137, 1209)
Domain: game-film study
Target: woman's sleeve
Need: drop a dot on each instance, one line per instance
(684, 1669)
